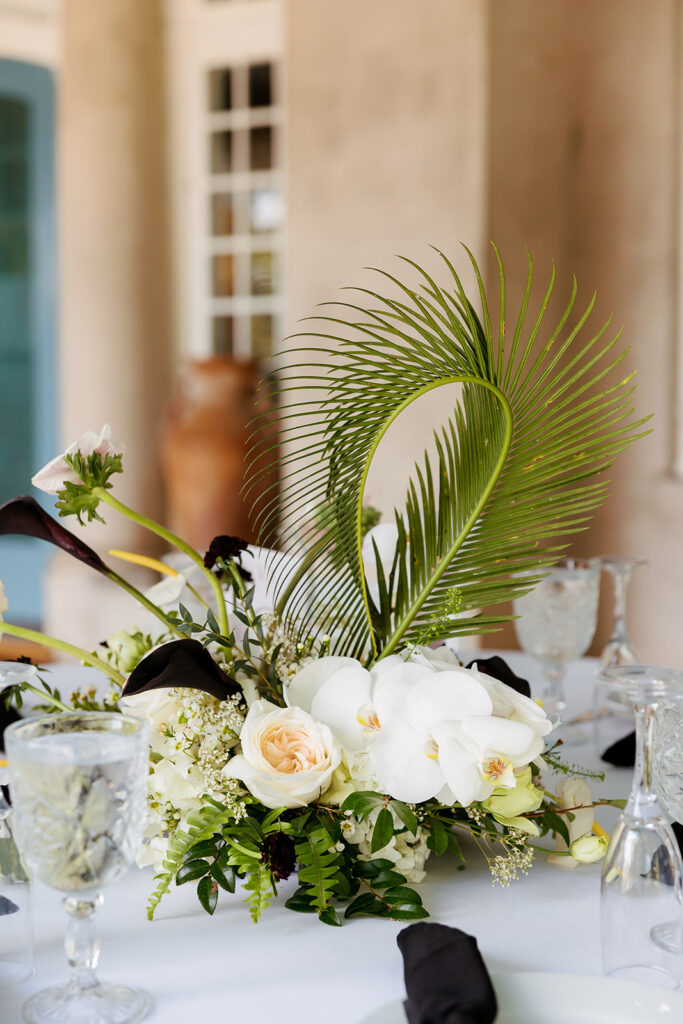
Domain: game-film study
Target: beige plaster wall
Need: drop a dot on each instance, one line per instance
(583, 139)
(115, 327)
(386, 154)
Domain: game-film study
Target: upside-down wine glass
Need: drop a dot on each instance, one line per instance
(78, 782)
(668, 778)
(556, 622)
(619, 649)
(642, 873)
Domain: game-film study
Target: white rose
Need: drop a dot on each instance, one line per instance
(52, 477)
(287, 757)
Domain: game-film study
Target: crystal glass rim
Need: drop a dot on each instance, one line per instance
(655, 679)
(564, 568)
(130, 726)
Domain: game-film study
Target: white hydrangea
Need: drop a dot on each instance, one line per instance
(407, 852)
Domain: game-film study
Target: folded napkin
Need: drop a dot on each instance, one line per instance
(446, 979)
(622, 753)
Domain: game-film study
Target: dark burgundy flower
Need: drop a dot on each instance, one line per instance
(24, 517)
(499, 669)
(278, 853)
(222, 549)
(183, 663)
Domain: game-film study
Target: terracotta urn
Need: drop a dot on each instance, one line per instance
(206, 434)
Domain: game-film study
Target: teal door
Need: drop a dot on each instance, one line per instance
(27, 312)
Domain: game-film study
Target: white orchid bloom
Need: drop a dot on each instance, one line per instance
(507, 703)
(435, 736)
(333, 689)
(52, 477)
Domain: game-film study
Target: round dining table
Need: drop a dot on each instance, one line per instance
(291, 968)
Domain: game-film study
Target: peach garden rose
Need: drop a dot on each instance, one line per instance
(287, 757)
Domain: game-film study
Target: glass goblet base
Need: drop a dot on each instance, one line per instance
(100, 1004)
(669, 936)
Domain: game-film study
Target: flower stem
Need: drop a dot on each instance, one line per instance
(177, 542)
(141, 599)
(60, 645)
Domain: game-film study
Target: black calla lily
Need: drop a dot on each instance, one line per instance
(24, 517)
(181, 663)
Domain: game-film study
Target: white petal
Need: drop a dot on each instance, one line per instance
(460, 768)
(52, 476)
(514, 740)
(303, 687)
(337, 702)
(446, 696)
(401, 767)
(507, 703)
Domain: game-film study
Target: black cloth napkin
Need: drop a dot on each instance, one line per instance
(622, 753)
(446, 979)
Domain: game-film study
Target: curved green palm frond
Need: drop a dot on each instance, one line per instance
(519, 465)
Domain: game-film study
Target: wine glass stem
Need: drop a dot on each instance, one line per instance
(643, 801)
(82, 942)
(621, 580)
(553, 692)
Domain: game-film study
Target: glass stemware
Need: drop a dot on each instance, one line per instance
(16, 940)
(556, 622)
(619, 649)
(78, 782)
(642, 873)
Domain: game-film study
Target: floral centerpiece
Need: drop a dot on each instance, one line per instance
(306, 715)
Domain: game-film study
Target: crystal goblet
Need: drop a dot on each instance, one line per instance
(556, 622)
(78, 782)
(642, 873)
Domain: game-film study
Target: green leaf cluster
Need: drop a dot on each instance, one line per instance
(94, 470)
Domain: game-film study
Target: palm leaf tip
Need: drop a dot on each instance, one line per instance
(514, 471)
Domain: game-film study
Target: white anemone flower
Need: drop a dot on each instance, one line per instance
(52, 477)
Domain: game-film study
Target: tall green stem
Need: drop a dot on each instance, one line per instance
(141, 599)
(60, 645)
(177, 542)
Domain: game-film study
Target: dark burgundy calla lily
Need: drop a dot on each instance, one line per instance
(182, 663)
(499, 669)
(24, 517)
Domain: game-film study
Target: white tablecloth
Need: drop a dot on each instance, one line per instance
(290, 967)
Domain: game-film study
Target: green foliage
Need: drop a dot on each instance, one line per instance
(203, 825)
(319, 864)
(94, 470)
(561, 767)
(520, 465)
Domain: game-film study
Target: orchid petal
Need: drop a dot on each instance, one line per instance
(337, 702)
(401, 766)
(302, 688)
(446, 696)
(514, 740)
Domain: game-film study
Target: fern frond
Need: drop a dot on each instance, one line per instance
(318, 867)
(519, 466)
(206, 823)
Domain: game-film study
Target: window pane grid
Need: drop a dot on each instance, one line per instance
(245, 209)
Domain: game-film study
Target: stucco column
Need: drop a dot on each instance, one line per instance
(115, 343)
